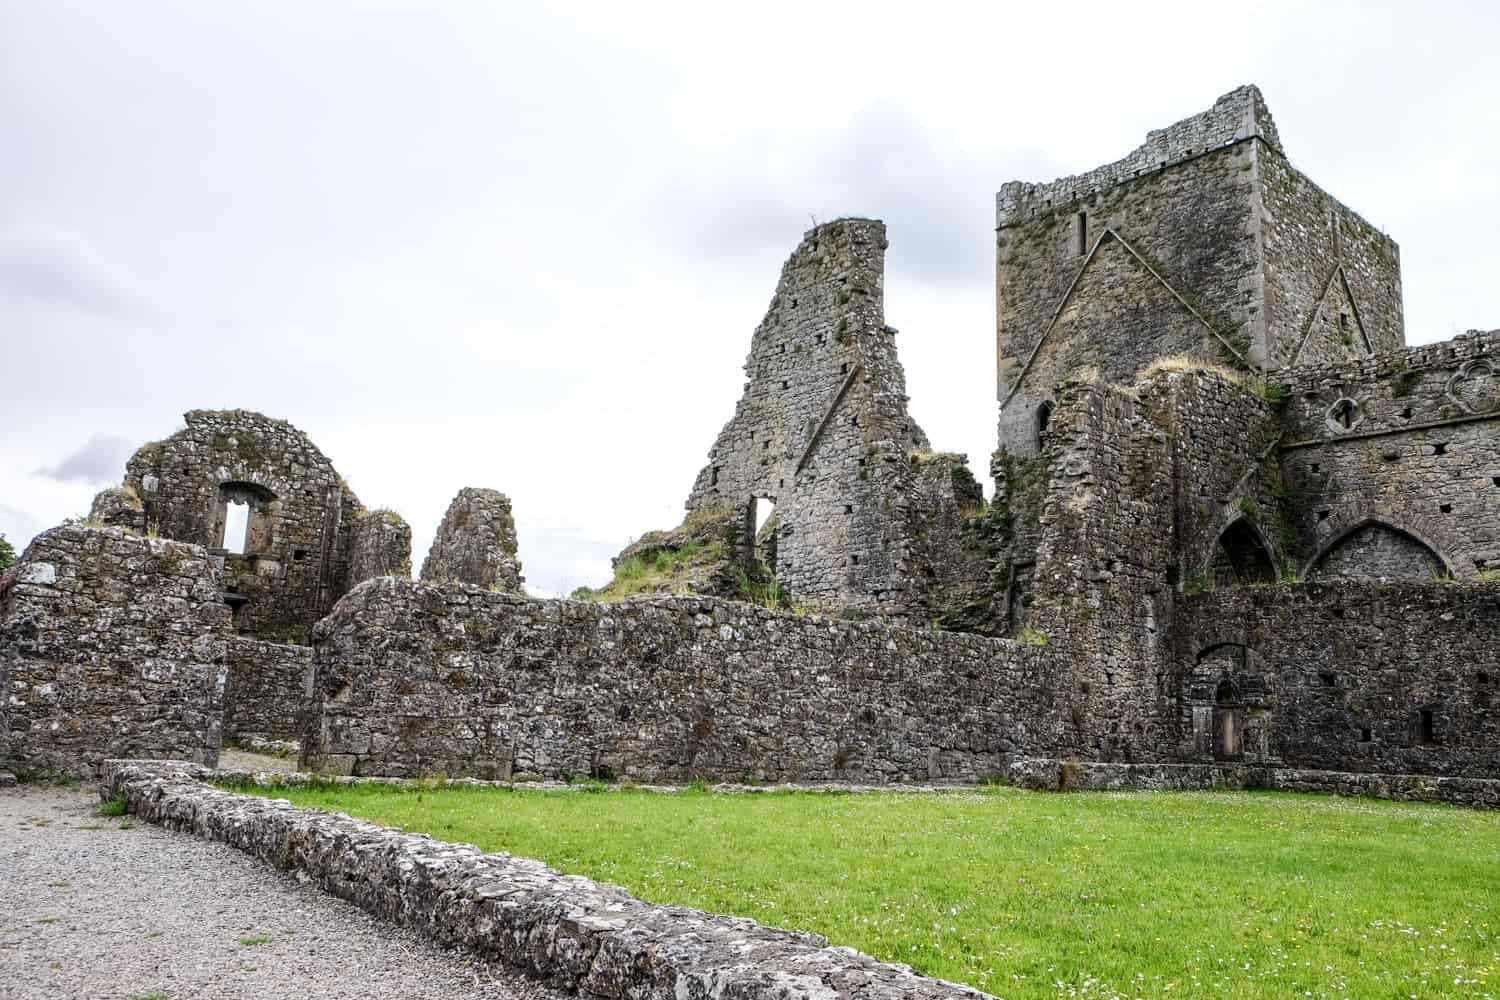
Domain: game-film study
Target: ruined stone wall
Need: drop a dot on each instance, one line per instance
(414, 679)
(296, 558)
(1336, 676)
(476, 543)
(266, 694)
(379, 545)
(1332, 280)
(1393, 462)
(822, 431)
(113, 645)
(1223, 469)
(1101, 590)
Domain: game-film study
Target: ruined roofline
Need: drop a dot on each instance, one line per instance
(1468, 346)
(1237, 116)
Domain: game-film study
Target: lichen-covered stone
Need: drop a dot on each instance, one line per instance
(476, 543)
(266, 697)
(111, 645)
(414, 679)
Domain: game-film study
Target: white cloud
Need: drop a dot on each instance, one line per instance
(481, 244)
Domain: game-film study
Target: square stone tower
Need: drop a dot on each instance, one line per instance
(1205, 242)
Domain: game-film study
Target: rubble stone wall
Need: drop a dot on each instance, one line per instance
(581, 936)
(266, 696)
(379, 545)
(414, 679)
(113, 645)
(476, 543)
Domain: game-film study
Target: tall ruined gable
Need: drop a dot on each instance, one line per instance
(822, 430)
(1205, 242)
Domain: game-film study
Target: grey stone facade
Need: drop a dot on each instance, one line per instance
(1205, 242)
(476, 543)
(111, 645)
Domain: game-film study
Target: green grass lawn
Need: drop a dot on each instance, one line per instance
(1039, 895)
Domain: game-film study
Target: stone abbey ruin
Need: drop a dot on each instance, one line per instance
(1240, 534)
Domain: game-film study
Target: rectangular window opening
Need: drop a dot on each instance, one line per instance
(236, 526)
(1424, 726)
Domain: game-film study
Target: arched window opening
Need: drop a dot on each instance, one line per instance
(761, 529)
(1240, 557)
(1043, 418)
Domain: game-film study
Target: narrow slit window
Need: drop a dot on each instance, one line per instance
(1081, 233)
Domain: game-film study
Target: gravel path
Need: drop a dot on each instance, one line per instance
(111, 908)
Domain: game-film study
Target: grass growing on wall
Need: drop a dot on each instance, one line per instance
(1038, 895)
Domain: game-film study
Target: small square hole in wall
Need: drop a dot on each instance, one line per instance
(298, 555)
(844, 368)
(1482, 678)
(1313, 468)
(1440, 447)
(854, 560)
(765, 446)
(1406, 413)
(1446, 508)
(1495, 480)
(785, 384)
(1323, 515)
(1364, 734)
(1327, 680)
(848, 508)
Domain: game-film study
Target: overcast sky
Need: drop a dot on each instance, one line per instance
(480, 244)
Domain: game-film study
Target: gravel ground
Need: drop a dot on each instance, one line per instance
(111, 908)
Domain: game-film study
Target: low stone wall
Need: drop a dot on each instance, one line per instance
(266, 697)
(579, 935)
(413, 679)
(112, 644)
(1051, 774)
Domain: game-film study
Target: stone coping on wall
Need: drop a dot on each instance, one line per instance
(583, 936)
(1048, 773)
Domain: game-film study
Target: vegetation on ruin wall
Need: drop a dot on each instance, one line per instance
(7, 554)
(1028, 895)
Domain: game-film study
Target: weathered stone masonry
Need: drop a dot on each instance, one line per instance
(111, 645)
(413, 679)
(1204, 241)
(303, 534)
(822, 432)
(476, 543)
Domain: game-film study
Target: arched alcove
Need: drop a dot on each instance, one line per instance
(1043, 418)
(1373, 549)
(1241, 557)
